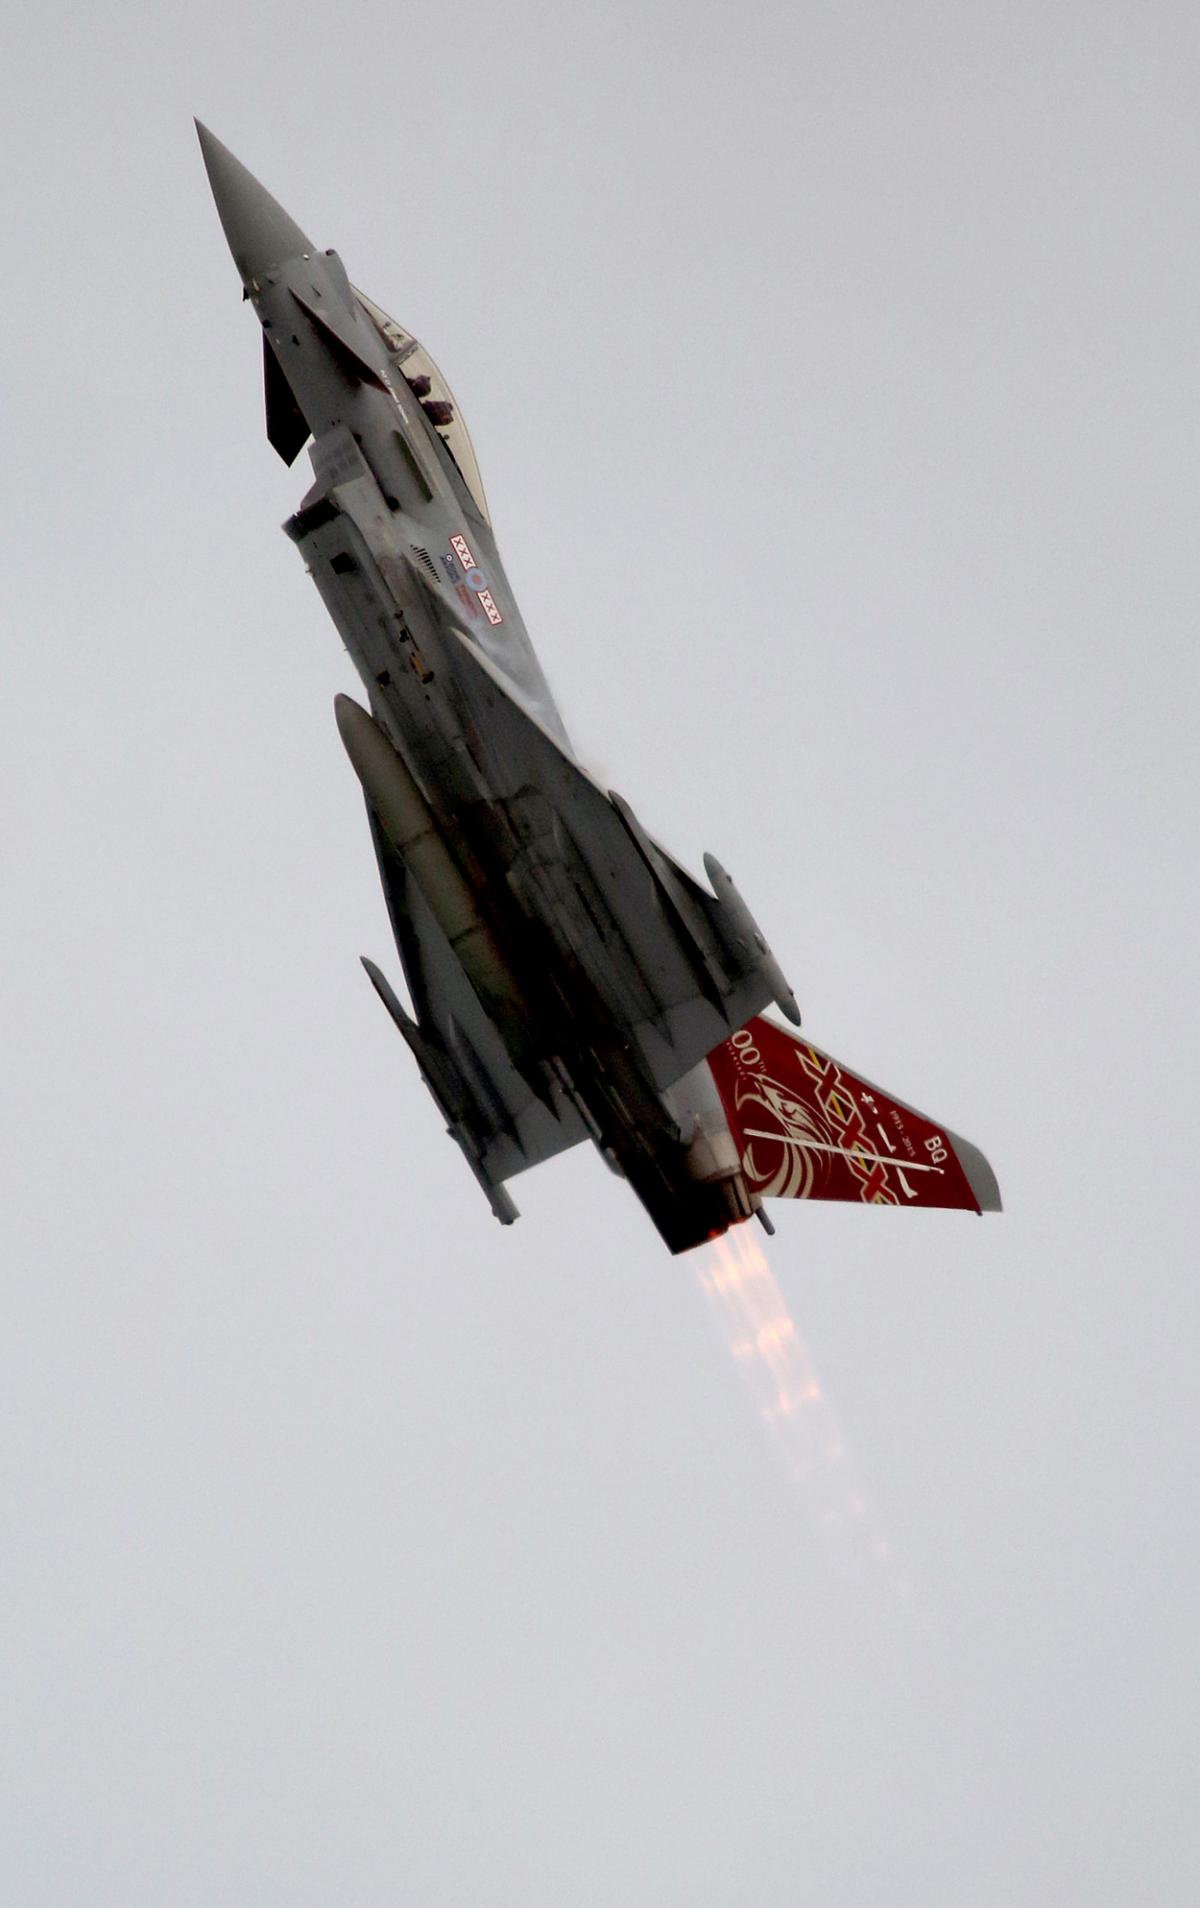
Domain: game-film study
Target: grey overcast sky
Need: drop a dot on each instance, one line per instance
(832, 370)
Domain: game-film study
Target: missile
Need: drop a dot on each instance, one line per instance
(745, 934)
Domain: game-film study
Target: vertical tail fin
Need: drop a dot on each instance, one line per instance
(808, 1128)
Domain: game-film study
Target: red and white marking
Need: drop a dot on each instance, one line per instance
(476, 581)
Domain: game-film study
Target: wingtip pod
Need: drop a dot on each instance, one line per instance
(383, 987)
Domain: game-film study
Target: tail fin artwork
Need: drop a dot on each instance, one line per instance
(807, 1128)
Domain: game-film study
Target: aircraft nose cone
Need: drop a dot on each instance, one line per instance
(260, 233)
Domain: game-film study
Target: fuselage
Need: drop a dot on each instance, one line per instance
(401, 548)
(396, 533)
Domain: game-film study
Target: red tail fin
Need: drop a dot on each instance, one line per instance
(807, 1128)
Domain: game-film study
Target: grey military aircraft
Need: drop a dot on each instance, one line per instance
(568, 979)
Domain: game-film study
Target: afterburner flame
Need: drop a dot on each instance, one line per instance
(755, 1323)
(760, 1332)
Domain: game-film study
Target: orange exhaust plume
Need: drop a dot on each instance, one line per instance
(754, 1321)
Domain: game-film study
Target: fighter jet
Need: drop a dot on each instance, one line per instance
(568, 980)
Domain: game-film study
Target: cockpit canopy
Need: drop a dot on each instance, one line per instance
(427, 384)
